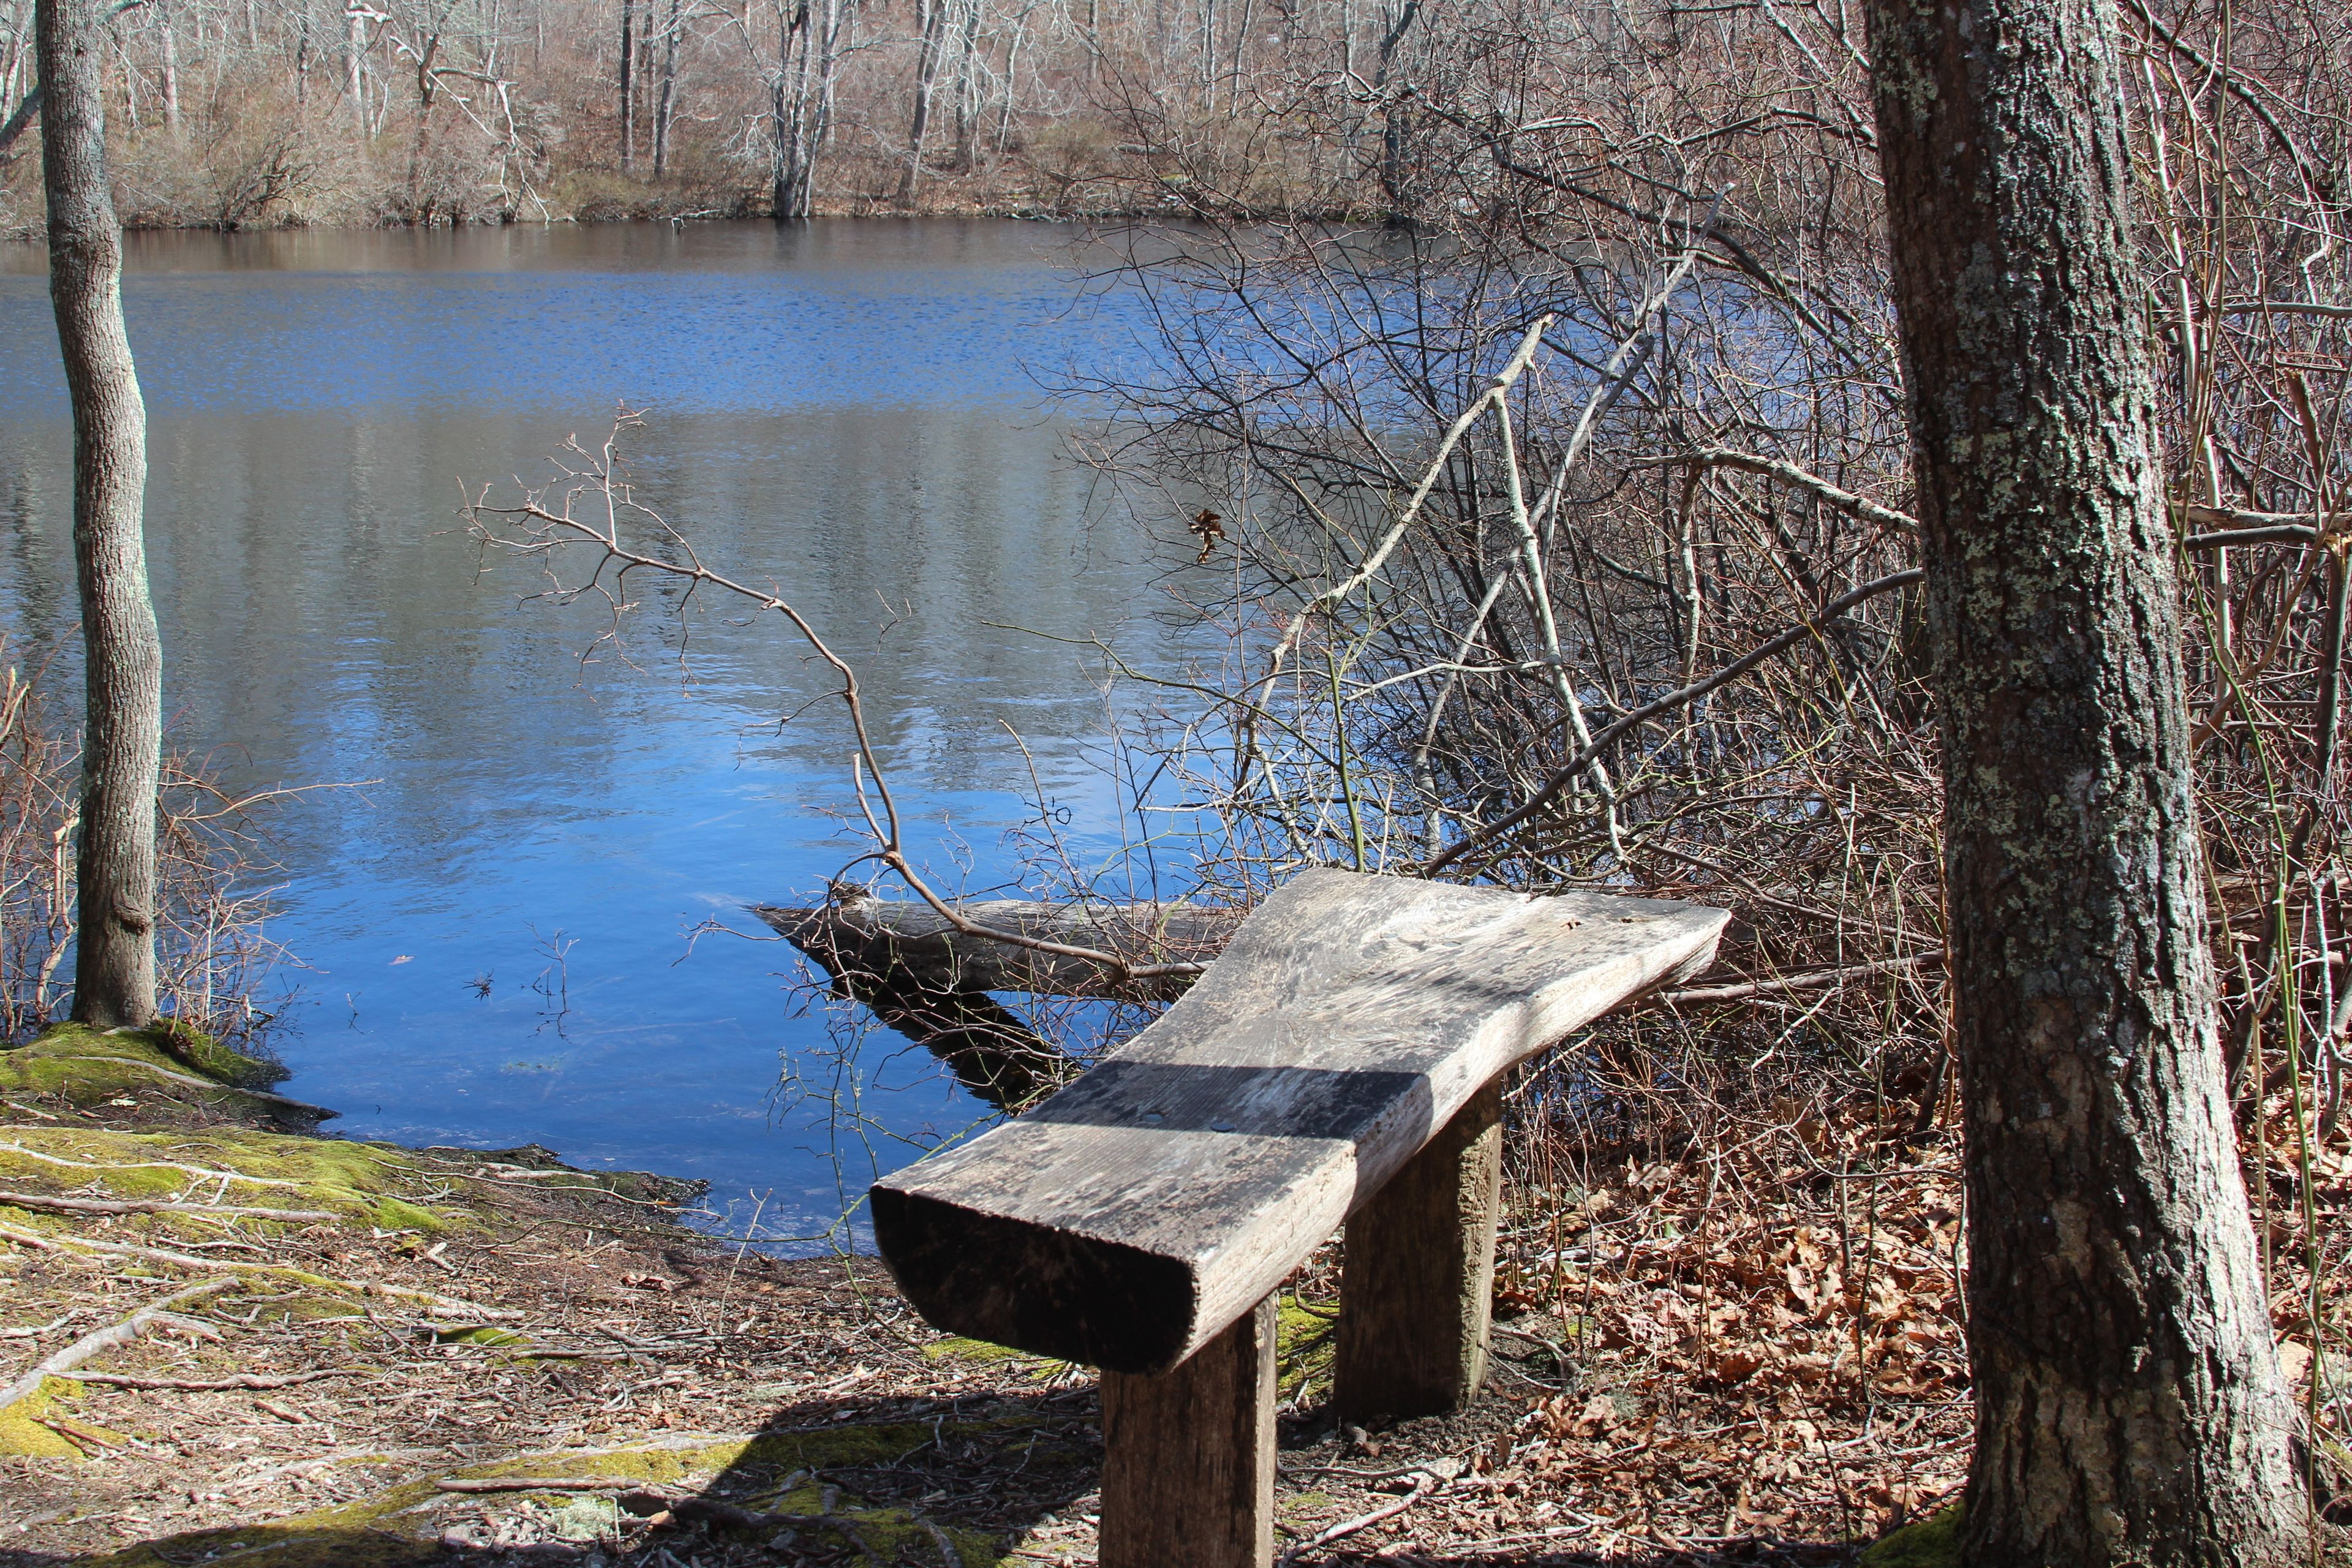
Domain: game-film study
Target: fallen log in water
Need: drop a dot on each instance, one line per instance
(931, 982)
(916, 944)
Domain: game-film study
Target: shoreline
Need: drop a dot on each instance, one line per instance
(753, 208)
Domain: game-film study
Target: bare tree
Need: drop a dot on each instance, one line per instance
(114, 966)
(931, 50)
(668, 91)
(808, 62)
(628, 84)
(2130, 1403)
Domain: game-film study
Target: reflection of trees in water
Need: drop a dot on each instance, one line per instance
(324, 612)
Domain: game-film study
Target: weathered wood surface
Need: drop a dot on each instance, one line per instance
(1134, 1215)
(1417, 1287)
(1189, 1455)
(908, 945)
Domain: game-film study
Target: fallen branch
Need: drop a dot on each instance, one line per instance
(208, 1385)
(151, 1205)
(36, 1333)
(106, 1339)
(206, 1172)
(1429, 1479)
(912, 945)
(536, 1484)
(646, 1501)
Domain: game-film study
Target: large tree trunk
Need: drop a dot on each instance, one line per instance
(2129, 1406)
(114, 963)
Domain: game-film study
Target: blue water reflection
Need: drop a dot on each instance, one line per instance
(844, 407)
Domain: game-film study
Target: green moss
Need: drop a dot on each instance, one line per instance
(392, 1214)
(365, 1183)
(842, 1447)
(1933, 1542)
(21, 1432)
(90, 1067)
(199, 1052)
(488, 1337)
(1304, 1344)
(955, 1347)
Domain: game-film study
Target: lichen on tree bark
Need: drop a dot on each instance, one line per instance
(2130, 1403)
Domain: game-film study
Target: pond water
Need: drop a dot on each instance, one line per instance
(851, 409)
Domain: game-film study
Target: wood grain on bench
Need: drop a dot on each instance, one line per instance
(1139, 1213)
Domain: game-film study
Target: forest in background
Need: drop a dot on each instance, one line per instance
(1530, 379)
(1531, 416)
(259, 113)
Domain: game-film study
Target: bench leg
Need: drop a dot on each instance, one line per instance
(1188, 1462)
(1416, 1293)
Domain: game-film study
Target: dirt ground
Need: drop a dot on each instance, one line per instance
(371, 1355)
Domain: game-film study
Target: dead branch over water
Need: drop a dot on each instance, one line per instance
(1639, 609)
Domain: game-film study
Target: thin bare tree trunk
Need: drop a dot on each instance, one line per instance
(628, 99)
(927, 76)
(1393, 125)
(2129, 1405)
(668, 90)
(114, 966)
(355, 78)
(171, 75)
(967, 88)
(797, 49)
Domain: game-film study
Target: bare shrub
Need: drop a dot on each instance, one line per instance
(1642, 616)
(215, 960)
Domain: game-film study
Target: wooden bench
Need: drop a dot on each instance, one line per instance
(1340, 1062)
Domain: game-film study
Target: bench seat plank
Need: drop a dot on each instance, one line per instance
(1139, 1212)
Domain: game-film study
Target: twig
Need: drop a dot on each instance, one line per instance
(1806, 981)
(1429, 1482)
(1789, 474)
(1561, 778)
(204, 1171)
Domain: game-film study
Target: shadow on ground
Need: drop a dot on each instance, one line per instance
(817, 1484)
